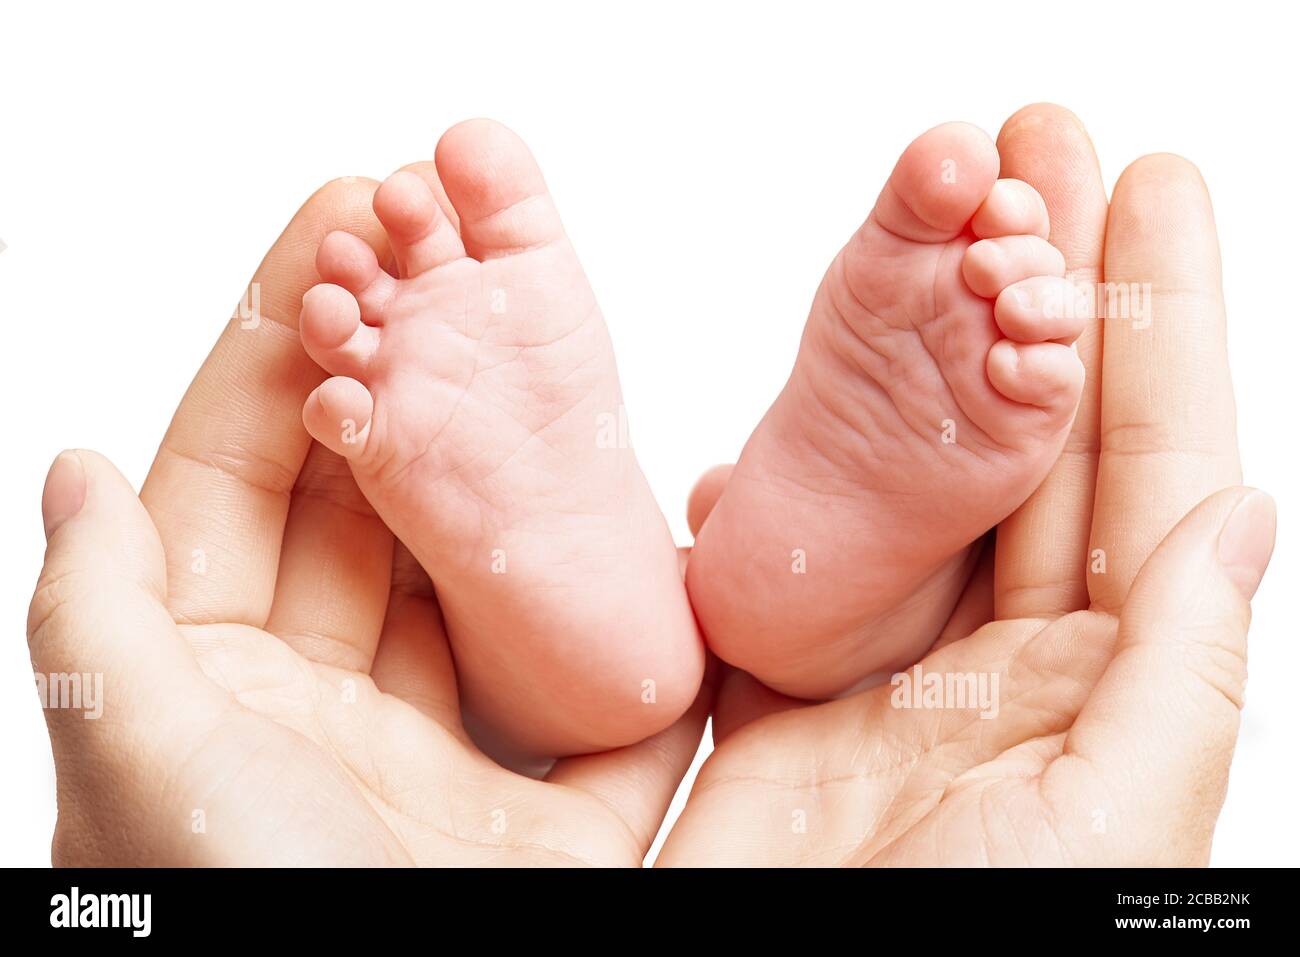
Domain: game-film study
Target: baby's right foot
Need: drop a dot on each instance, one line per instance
(934, 388)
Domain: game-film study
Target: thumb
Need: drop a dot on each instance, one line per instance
(708, 489)
(1161, 725)
(101, 640)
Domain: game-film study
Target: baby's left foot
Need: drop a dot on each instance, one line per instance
(476, 400)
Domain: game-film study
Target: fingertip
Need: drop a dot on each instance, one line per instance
(1161, 202)
(65, 491)
(113, 538)
(1040, 121)
(1162, 171)
(1246, 541)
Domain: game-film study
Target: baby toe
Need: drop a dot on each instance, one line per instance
(332, 331)
(348, 261)
(990, 265)
(1011, 208)
(1043, 308)
(1048, 375)
(338, 414)
(421, 236)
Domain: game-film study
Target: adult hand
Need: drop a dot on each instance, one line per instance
(277, 684)
(1115, 633)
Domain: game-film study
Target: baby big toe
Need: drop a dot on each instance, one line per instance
(497, 189)
(938, 183)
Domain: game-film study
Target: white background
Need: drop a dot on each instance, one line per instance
(708, 158)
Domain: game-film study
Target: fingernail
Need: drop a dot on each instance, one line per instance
(65, 491)
(1246, 542)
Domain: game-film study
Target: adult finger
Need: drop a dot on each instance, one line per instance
(117, 676)
(333, 582)
(974, 609)
(413, 659)
(742, 699)
(219, 488)
(1041, 547)
(1168, 422)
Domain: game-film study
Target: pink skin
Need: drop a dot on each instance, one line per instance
(476, 399)
(934, 388)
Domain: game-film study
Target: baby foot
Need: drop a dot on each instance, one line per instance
(934, 388)
(476, 399)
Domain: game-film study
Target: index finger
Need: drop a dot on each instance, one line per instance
(1041, 547)
(219, 488)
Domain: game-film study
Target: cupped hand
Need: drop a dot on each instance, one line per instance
(277, 687)
(1100, 646)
